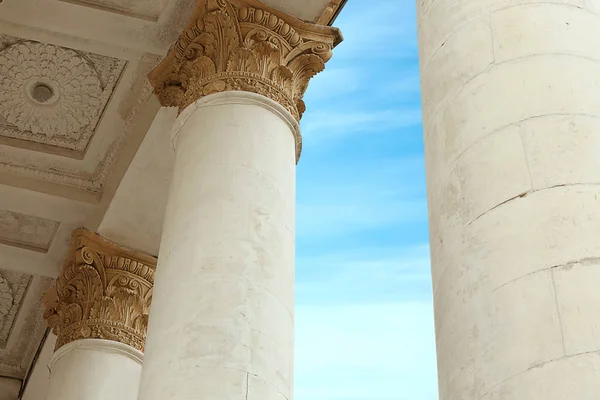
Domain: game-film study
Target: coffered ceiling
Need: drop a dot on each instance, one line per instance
(75, 105)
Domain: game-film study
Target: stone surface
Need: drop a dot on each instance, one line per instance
(307, 10)
(222, 309)
(46, 181)
(488, 173)
(95, 108)
(95, 369)
(547, 381)
(576, 286)
(149, 10)
(243, 45)
(9, 388)
(79, 85)
(103, 292)
(141, 198)
(27, 231)
(13, 287)
(562, 149)
(39, 380)
(513, 185)
(558, 30)
(21, 324)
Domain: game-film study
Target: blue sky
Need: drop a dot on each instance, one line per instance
(364, 319)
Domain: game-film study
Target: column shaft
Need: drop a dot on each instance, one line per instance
(95, 369)
(511, 104)
(221, 324)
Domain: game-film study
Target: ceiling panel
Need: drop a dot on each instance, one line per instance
(51, 97)
(26, 231)
(21, 324)
(149, 9)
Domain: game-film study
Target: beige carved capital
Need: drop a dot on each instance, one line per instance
(243, 45)
(103, 292)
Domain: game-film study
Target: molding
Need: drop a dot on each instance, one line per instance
(12, 295)
(116, 10)
(243, 45)
(331, 12)
(27, 231)
(67, 179)
(92, 182)
(103, 292)
(100, 345)
(239, 97)
(79, 86)
(27, 328)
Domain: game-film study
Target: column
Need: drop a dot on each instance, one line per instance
(9, 388)
(98, 309)
(221, 325)
(511, 106)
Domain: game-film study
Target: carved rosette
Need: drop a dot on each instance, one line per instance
(103, 292)
(244, 45)
(75, 92)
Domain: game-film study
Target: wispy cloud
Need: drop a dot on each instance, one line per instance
(359, 196)
(365, 275)
(327, 125)
(385, 28)
(364, 326)
(327, 220)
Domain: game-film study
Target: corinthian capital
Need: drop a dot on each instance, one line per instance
(243, 45)
(103, 292)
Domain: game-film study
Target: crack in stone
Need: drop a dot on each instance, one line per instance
(522, 137)
(540, 365)
(517, 278)
(528, 193)
(500, 204)
(491, 25)
(588, 261)
(560, 323)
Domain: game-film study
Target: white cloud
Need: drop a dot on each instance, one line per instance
(362, 195)
(364, 318)
(323, 125)
(367, 274)
(387, 29)
(326, 220)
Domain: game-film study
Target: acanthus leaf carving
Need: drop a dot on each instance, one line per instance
(103, 292)
(244, 45)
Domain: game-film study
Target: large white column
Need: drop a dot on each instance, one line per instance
(222, 318)
(221, 322)
(95, 369)
(511, 103)
(98, 310)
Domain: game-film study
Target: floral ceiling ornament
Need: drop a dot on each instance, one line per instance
(47, 89)
(103, 292)
(244, 45)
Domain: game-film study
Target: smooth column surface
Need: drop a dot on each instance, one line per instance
(221, 322)
(95, 369)
(511, 105)
(9, 388)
